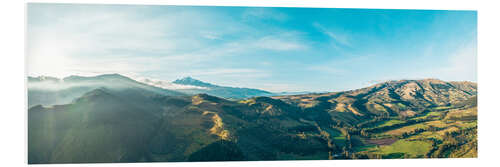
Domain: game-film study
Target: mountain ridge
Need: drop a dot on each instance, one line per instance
(221, 91)
(194, 82)
(48, 92)
(97, 126)
(393, 98)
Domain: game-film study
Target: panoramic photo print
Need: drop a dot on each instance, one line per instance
(159, 83)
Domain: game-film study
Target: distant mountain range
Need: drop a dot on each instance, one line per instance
(50, 90)
(62, 91)
(193, 86)
(220, 91)
(168, 85)
(112, 118)
(194, 82)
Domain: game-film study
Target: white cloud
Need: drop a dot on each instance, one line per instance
(88, 40)
(337, 37)
(331, 70)
(459, 64)
(211, 35)
(227, 72)
(72, 40)
(263, 13)
(341, 66)
(280, 43)
(462, 65)
(166, 84)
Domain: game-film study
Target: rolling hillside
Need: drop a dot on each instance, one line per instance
(134, 122)
(131, 125)
(404, 98)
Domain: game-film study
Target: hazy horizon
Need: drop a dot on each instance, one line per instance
(273, 49)
(141, 79)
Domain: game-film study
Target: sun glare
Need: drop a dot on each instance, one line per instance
(48, 57)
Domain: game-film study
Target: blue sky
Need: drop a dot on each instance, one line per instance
(275, 49)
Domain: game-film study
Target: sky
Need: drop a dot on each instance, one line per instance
(274, 49)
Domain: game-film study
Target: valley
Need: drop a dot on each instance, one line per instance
(112, 118)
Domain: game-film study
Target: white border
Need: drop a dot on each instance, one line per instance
(384, 4)
(12, 101)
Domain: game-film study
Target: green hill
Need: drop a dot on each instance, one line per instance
(132, 122)
(131, 125)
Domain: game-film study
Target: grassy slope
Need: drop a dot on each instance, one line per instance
(137, 126)
(419, 144)
(122, 130)
(109, 126)
(411, 149)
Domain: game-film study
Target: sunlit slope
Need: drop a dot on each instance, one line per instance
(101, 126)
(404, 98)
(131, 125)
(135, 124)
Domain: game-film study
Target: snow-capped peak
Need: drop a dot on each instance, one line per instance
(167, 85)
